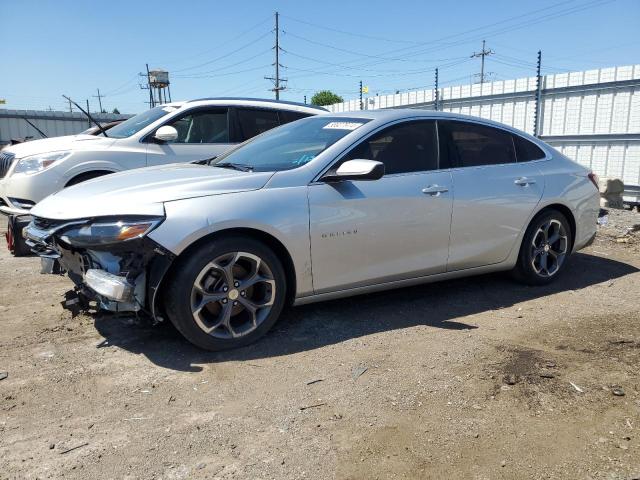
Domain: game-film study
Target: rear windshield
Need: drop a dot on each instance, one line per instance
(292, 145)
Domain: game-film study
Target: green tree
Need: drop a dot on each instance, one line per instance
(325, 97)
(116, 111)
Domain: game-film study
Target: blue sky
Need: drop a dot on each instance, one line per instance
(50, 48)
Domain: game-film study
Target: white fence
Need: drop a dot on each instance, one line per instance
(591, 116)
(53, 124)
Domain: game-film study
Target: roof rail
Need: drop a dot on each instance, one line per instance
(284, 102)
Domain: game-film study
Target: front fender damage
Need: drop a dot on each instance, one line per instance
(118, 278)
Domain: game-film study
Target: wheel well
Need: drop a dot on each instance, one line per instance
(272, 242)
(87, 176)
(566, 211)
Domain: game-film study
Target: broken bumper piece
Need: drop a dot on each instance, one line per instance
(108, 285)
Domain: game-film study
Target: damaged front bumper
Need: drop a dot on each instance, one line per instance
(121, 277)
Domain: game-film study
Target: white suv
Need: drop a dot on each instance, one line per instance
(175, 132)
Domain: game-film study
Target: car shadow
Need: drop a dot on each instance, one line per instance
(303, 328)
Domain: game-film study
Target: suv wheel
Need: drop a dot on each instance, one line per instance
(226, 294)
(545, 249)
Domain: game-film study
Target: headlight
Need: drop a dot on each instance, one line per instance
(105, 233)
(36, 163)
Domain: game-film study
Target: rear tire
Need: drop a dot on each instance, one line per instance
(226, 294)
(546, 247)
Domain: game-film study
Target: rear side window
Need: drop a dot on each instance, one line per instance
(470, 145)
(287, 116)
(254, 121)
(406, 147)
(526, 150)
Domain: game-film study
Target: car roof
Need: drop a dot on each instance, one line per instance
(259, 102)
(392, 114)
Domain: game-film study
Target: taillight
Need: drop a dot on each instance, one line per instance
(594, 179)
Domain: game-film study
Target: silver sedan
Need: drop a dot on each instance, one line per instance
(324, 207)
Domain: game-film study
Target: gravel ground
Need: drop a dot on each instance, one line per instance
(478, 378)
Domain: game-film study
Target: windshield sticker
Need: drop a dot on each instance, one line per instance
(342, 125)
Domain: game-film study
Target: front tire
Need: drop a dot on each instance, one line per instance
(545, 249)
(226, 294)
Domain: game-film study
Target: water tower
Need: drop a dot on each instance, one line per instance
(159, 85)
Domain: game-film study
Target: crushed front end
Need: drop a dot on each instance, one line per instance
(110, 260)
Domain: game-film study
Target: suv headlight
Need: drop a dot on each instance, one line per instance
(37, 163)
(102, 232)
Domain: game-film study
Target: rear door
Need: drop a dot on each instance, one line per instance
(397, 227)
(494, 194)
(203, 133)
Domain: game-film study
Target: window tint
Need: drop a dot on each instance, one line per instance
(254, 121)
(203, 126)
(469, 144)
(287, 116)
(407, 147)
(526, 150)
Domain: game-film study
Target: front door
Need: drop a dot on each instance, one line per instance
(368, 232)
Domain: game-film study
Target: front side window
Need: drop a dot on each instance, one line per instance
(470, 144)
(136, 123)
(203, 126)
(254, 121)
(407, 147)
(292, 145)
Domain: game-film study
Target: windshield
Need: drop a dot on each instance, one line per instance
(138, 122)
(292, 145)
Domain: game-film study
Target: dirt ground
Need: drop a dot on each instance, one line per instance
(480, 378)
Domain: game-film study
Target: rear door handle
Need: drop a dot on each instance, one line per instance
(434, 190)
(524, 181)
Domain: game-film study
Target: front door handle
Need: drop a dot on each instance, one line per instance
(524, 181)
(434, 190)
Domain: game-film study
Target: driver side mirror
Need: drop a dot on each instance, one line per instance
(165, 134)
(356, 170)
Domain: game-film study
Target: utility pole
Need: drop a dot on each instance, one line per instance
(482, 54)
(99, 97)
(70, 107)
(152, 102)
(88, 119)
(436, 96)
(536, 118)
(305, 99)
(277, 80)
(361, 104)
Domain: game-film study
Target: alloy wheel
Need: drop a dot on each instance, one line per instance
(232, 295)
(549, 248)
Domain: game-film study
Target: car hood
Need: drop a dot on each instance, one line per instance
(143, 191)
(56, 144)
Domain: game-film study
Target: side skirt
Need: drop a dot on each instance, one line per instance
(403, 283)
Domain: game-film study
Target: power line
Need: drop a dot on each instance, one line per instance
(219, 45)
(524, 24)
(252, 42)
(342, 65)
(224, 74)
(353, 34)
(200, 74)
